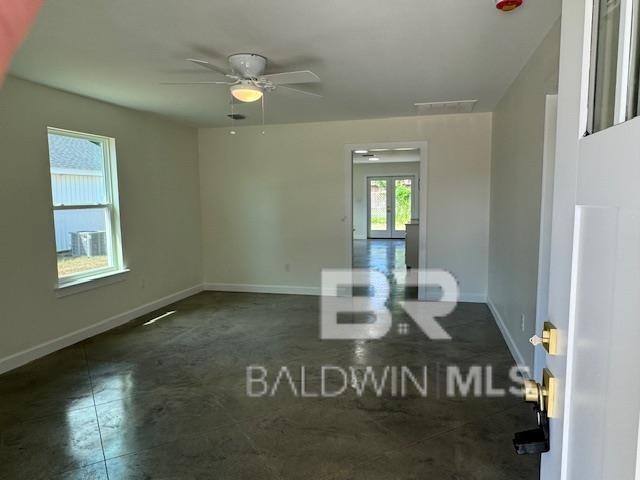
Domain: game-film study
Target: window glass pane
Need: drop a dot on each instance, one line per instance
(77, 171)
(606, 63)
(633, 96)
(83, 240)
(378, 205)
(403, 203)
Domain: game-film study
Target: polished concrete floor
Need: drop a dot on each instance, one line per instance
(167, 399)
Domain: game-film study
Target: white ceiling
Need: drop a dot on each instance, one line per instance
(376, 58)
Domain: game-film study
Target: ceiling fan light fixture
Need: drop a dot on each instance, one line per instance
(246, 93)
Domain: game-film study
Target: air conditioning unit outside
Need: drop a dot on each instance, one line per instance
(88, 244)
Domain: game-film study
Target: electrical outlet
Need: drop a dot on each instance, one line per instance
(287, 267)
(522, 322)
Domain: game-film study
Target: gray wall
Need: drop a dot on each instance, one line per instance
(159, 198)
(516, 181)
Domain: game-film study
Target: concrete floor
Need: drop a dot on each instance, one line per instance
(168, 399)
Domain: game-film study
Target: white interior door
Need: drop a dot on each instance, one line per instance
(594, 289)
(390, 205)
(603, 380)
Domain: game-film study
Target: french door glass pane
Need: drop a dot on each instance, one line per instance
(403, 203)
(83, 240)
(606, 63)
(378, 202)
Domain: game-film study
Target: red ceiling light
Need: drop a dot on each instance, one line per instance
(508, 5)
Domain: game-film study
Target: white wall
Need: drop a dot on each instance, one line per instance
(360, 173)
(516, 182)
(274, 205)
(158, 180)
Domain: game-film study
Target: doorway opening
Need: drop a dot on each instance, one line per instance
(387, 207)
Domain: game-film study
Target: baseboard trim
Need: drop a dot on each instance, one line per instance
(513, 348)
(300, 290)
(473, 297)
(257, 288)
(21, 358)
(434, 294)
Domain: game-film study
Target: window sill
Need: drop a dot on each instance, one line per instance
(89, 283)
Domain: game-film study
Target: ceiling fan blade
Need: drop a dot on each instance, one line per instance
(207, 65)
(285, 78)
(197, 83)
(282, 88)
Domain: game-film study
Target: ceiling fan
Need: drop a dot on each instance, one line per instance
(247, 81)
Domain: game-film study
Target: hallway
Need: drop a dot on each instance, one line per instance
(379, 254)
(387, 257)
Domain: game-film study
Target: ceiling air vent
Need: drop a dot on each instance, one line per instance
(236, 116)
(442, 108)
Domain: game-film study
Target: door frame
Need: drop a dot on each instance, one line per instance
(422, 198)
(390, 186)
(546, 211)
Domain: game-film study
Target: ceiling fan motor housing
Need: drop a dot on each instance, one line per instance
(248, 65)
(508, 5)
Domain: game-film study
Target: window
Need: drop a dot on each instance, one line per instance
(605, 63)
(615, 63)
(85, 205)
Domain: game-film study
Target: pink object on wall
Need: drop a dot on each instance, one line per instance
(16, 18)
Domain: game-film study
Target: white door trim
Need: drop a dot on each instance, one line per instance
(422, 192)
(546, 211)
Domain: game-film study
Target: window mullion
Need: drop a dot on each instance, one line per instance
(624, 59)
(593, 60)
(87, 206)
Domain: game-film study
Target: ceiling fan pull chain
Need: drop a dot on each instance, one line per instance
(262, 115)
(233, 117)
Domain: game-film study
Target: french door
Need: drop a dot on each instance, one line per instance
(389, 205)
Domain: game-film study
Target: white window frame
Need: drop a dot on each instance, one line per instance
(111, 205)
(624, 61)
(626, 34)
